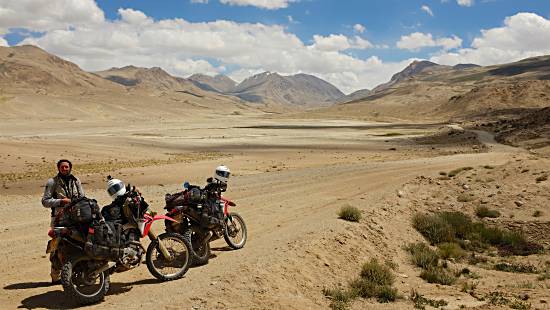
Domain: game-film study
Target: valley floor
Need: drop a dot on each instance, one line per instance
(290, 179)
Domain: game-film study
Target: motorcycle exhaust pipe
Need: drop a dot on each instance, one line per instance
(103, 268)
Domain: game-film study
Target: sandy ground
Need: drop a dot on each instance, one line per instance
(290, 179)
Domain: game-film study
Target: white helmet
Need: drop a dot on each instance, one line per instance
(222, 174)
(115, 188)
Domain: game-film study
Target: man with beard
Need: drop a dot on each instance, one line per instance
(57, 195)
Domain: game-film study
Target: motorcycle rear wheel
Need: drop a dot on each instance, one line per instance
(178, 263)
(77, 284)
(235, 232)
(200, 250)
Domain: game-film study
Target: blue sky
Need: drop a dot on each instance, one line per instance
(351, 43)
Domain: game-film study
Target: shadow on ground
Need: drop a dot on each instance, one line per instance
(57, 299)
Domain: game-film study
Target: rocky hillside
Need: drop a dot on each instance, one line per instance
(149, 79)
(299, 89)
(425, 90)
(219, 83)
(30, 69)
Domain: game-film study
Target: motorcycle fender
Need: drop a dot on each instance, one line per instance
(164, 217)
(52, 245)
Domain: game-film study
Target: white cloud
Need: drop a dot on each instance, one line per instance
(44, 15)
(264, 4)
(418, 40)
(3, 42)
(339, 42)
(199, 1)
(292, 20)
(359, 28)
(427, 9)
(519, 38)
(465, 2)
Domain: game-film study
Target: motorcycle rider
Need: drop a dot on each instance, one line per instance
(58, 194)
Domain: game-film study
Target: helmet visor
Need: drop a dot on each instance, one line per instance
(113, 189)
(223, 174)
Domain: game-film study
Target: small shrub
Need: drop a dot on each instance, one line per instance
(483, 211)
(420, 302)
(340, 298)
(488, 167)
(442, 173)
(544, 276)
(455, 172)
(476, 259)
(519, 305)
(537, 213)
(377, 273)
(438, 275)
(519, 268)
(422, 255)
(350, 213)
(433, 228)
(497, 298)
(450, 250)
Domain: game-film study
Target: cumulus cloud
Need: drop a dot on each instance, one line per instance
(427, 9)
(339, 42)
(45, 15)
(465, 2)
(263, 4)
(519, 38)
(359, 28)
(418, 40)
(3, 42)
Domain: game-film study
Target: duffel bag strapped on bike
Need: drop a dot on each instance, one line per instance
(105, 239)
(192, 195)
(82, 210)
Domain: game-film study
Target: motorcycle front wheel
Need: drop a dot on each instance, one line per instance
(235, 231)
(174, 266)
(80, 285)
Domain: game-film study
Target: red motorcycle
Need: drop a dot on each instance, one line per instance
(91, 246)
(202, 215)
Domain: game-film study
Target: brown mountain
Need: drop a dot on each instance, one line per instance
(425, 90)
(219, 83)
(295, 90)
(30, 69)
(148, 79)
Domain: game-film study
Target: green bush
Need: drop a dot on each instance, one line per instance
(433, 228)
(377, 273)
(350, 213)
(483, 211)
(422, 255)
(450, 250)
(340, 298)
(438, 275)
(420, 302)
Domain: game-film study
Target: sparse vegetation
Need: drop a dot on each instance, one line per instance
(483, 211)
(458, 227)
(488, 167)
(516, 267)
(450, 250)
(420, 302)
(455, 172)
(422, 255)
(350, 213)
(537, 213)
(438, 275)
(375, 281)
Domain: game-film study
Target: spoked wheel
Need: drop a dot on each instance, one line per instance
(81, 285)
(174, 266)
(201, 250)
(235, 231)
